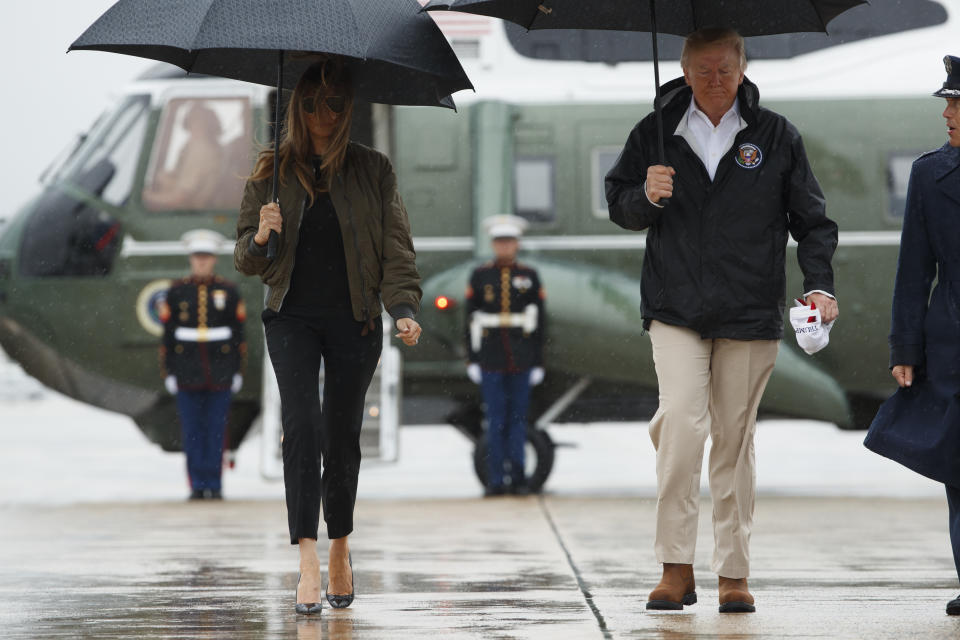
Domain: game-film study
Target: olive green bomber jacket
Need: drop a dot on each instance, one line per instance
(377, 244)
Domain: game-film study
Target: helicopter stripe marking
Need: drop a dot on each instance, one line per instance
(132, 247)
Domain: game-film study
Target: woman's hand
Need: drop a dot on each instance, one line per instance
(270, 220)
(409, 331)
(903, 374)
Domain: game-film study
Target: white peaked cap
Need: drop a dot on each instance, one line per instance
(505, 226)
(202, 241)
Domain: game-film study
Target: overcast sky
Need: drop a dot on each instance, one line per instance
(48, 95)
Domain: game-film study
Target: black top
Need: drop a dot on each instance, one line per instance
(319, 278)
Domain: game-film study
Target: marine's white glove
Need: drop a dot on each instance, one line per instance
(170, 382)
(237, 383)
(536, 376)
(474, 373)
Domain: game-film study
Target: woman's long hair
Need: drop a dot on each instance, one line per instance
(329, 77)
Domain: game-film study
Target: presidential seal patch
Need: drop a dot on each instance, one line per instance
(749, 156)
(152, 306)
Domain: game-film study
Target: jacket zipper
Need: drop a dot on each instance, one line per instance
(356, 248)
(293, 260)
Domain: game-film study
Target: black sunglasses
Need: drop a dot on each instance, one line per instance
(336, 104)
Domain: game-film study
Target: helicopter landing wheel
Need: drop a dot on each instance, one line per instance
(538, 459)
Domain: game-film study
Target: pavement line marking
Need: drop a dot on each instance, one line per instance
(576, 571)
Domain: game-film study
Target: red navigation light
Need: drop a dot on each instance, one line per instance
(443, 302)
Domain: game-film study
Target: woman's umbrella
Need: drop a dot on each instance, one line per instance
(395, 54)
(679, 17)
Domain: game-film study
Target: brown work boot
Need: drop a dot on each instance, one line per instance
(676, 588)
(734, 596)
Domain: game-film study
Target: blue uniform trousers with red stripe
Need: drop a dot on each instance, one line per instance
(506, 396)
(203, 419)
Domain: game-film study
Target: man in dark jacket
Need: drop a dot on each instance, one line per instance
(505, 318)
(713, 292)
(202, 354)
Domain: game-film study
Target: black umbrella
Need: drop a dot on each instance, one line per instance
(395, 54)
(679, 17)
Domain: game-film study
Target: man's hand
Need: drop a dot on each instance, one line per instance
(237, 383)
(903, 374)
(659, 182)
(827, 305)
(170, 382)
(536, 376)
(474, 373)
(409, 331)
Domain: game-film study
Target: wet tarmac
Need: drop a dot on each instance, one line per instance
(534, 567)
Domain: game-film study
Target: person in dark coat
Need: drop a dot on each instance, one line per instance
(505, 329)
(713, 292)
(202, 357)
(919, 426)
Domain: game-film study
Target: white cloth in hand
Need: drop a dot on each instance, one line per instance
(237, 383)
(170, 382)
(474, 373)
(536, 376)
(812, 334)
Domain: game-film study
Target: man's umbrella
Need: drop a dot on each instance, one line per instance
(395, 54)
(678, 17)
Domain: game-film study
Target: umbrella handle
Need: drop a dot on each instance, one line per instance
(663, 202)
(274, 242)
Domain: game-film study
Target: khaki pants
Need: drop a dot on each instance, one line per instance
(707, 386)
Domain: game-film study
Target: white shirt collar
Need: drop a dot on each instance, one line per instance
(733, 112)
(709, 143)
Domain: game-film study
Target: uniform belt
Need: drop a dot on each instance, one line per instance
(527, 320)
(202, 334)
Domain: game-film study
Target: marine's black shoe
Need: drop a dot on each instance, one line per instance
(196, 494)
(342, 602)
(953, 607)
(306, 608)
(490, 492)
(520, 489)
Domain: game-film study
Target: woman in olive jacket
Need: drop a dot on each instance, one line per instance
(345, 252)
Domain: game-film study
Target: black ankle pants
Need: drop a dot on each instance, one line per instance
(321, 443)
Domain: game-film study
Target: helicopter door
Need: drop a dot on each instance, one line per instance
(381, 411)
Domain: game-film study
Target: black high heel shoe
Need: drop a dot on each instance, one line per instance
(306, 608)
(342, 602)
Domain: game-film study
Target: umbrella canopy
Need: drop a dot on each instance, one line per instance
(679, 17)
(395, 54)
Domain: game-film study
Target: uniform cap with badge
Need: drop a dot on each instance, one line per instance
(951, 87)
(505, 226)
(202, 241)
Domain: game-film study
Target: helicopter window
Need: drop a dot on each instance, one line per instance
(861, 22)
(533, 188)
(72, 230)
(201, 156)
(898, 179)
(113, 147)
(602, 161)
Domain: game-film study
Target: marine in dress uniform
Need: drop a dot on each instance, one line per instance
(202, 356)
(505, 329)
(919, 426)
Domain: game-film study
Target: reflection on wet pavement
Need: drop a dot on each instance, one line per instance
(823, 568)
